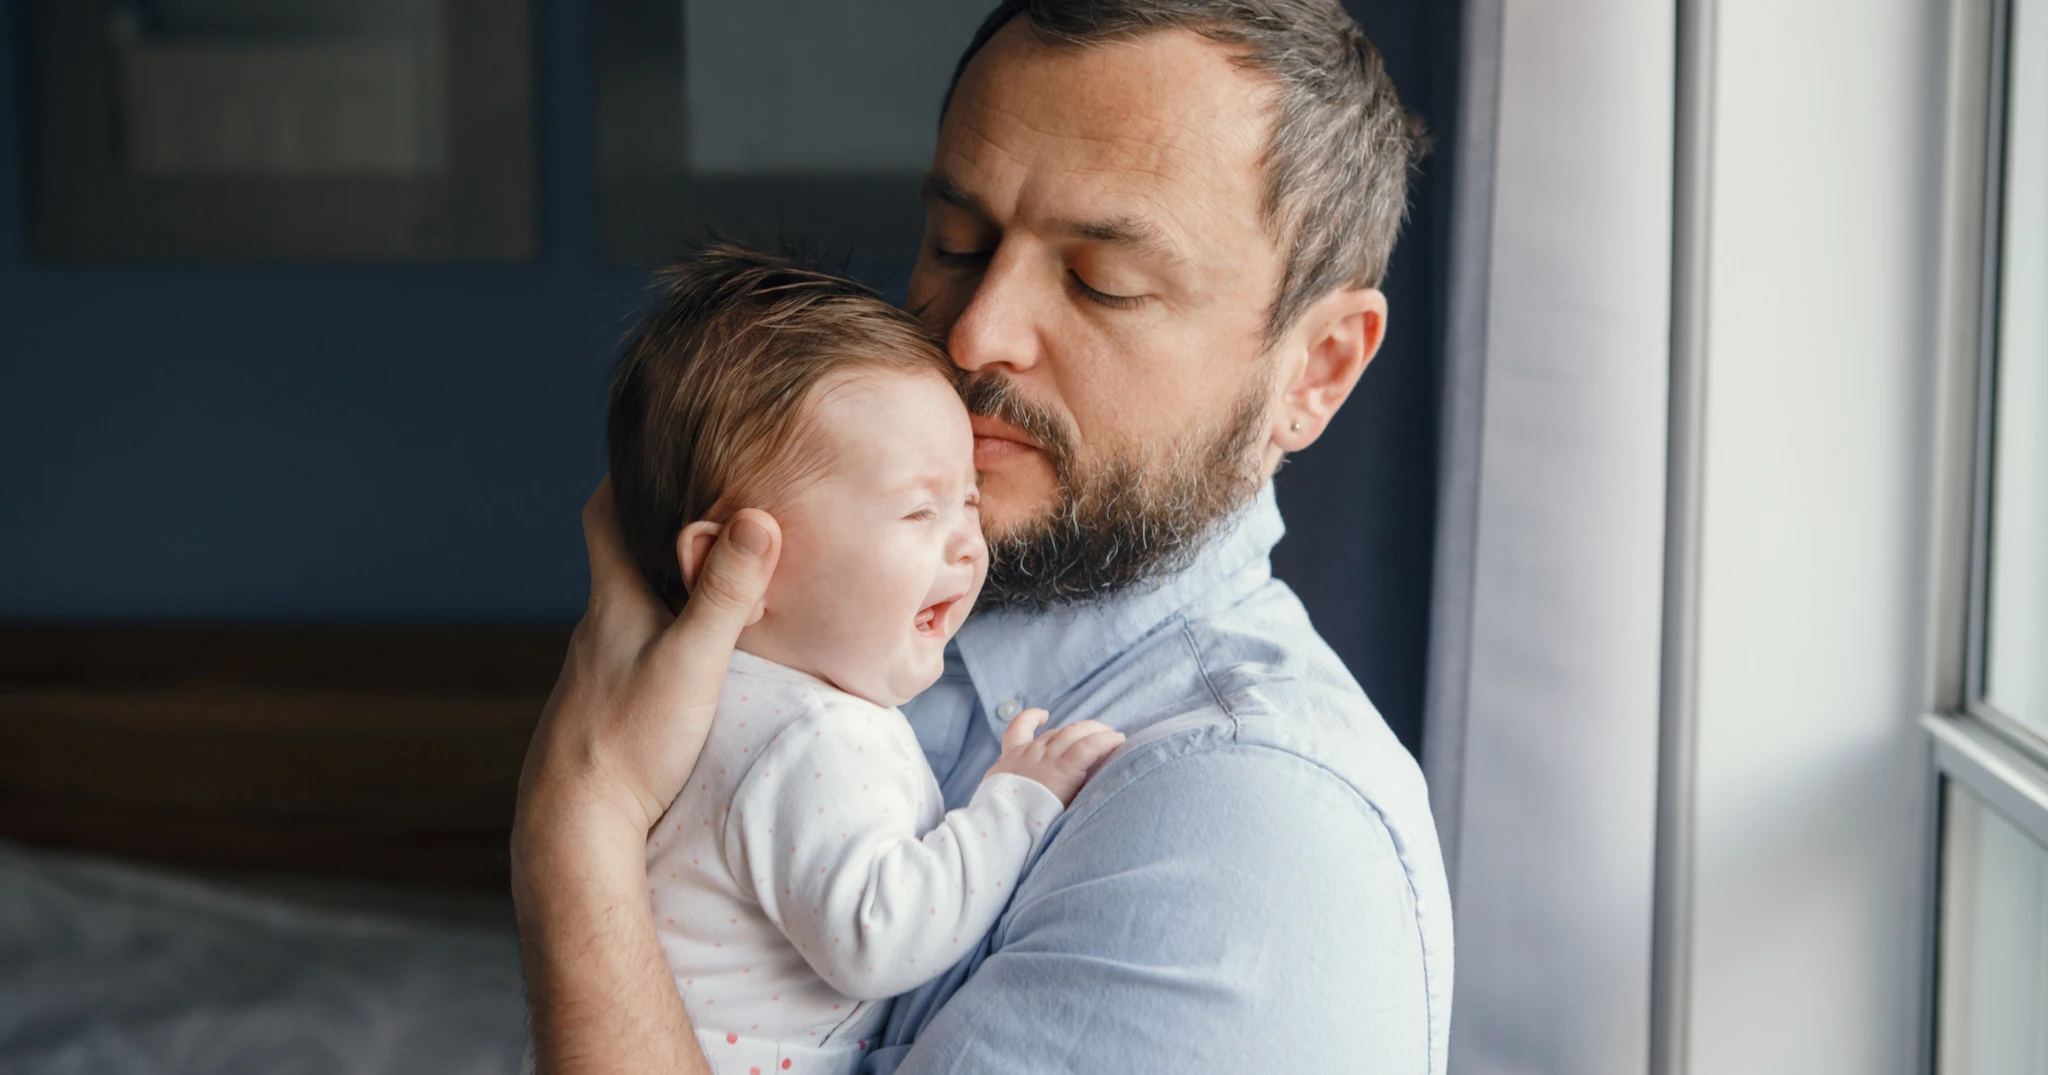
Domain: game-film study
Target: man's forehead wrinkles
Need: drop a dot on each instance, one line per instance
(1111, 150)
(1135, 132)
(1140, 150)
(1124, 165)
(952, 174)
(1164, 196)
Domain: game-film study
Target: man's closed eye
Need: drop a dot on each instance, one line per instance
(1104, 298)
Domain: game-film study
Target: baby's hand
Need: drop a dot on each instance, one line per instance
(1061, 761)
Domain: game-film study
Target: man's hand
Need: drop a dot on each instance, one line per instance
(630, 711)
(1061, 761)
(614, 746)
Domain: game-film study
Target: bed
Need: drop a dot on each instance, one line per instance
(261, 850)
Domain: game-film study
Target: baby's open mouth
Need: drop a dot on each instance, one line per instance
(931, 620)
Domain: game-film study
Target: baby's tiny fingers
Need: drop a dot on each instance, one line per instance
(1023, 727)
(1073, 733)
(1088, 751)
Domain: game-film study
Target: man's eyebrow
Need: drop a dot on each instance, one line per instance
(1135, 233)
(940, 187)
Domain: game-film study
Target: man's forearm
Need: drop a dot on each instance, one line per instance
(615, 743)
(598, 989)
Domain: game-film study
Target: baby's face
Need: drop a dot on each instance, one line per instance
(882, 554)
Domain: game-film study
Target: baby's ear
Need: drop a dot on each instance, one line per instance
(693, 546)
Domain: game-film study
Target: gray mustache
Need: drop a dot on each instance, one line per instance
(991, 395)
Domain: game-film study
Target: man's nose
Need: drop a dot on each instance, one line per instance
(999, 327)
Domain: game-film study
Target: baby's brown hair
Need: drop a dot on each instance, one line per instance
(708, 401)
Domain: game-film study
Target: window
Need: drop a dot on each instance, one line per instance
(771, 119)
(1994, 1005)
(1992, 985)
(2016, 650)
(172, 130)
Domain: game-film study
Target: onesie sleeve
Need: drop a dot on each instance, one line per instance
(826, 829)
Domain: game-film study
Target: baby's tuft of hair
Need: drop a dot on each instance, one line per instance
(710, 398)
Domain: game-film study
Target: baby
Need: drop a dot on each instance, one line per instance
(808, 870)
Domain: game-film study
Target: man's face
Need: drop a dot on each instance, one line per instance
(1096, 254)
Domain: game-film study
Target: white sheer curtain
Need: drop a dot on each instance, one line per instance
(1683, 630)
(1541, 745)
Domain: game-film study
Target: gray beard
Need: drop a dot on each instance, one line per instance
(1122, 522)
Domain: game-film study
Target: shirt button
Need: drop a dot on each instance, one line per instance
(1009, 710)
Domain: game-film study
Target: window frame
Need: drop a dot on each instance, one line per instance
(1972, 731)
(2001, 775)
(1972, 744)
(1985, 427)
(1965, 727)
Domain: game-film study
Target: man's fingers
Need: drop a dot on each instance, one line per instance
(611, 566)
(682, 671)
(1023, 727)
(623, 611)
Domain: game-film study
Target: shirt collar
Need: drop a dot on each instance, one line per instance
(1037, 658)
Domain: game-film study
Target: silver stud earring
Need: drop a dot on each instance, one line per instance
(1296, 427)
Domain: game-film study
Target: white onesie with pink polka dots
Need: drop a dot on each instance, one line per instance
(808, 870)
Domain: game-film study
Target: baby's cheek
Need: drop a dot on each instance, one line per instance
(863, 608)
(875, 610)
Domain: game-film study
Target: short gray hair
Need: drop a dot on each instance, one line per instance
(1342, 147)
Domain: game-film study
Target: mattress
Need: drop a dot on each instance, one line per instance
(115, 969)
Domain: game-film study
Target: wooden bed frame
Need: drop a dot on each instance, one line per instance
(379, 754)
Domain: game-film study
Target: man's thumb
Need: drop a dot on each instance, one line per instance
(735, 575)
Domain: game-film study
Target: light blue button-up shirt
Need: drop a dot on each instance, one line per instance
(1252, 883)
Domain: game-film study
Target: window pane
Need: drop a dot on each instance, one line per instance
(312, 87)
(771, 119)
(1994, 944)
(780, 86)
(351, 130)
(2016, 668)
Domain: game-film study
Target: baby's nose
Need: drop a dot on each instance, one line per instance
(966, 543)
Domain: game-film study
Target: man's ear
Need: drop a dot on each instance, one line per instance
(693, 547)
(1335, 339)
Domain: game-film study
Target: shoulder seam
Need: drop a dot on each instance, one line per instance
(1218, 748)
(1187, 635)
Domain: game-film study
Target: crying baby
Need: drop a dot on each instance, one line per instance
(809, 870)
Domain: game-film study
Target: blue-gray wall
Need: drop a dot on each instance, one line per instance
(284, 443)
(1361, 504)
(376, 444)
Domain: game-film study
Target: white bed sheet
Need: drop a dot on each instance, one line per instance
(118, 970)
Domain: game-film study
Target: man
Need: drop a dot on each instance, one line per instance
(1154, 238)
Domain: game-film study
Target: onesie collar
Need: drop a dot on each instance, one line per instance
(749, 664)
(1038, 658)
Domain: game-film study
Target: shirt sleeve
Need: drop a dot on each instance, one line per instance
(826, 827)
(1235, 909)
